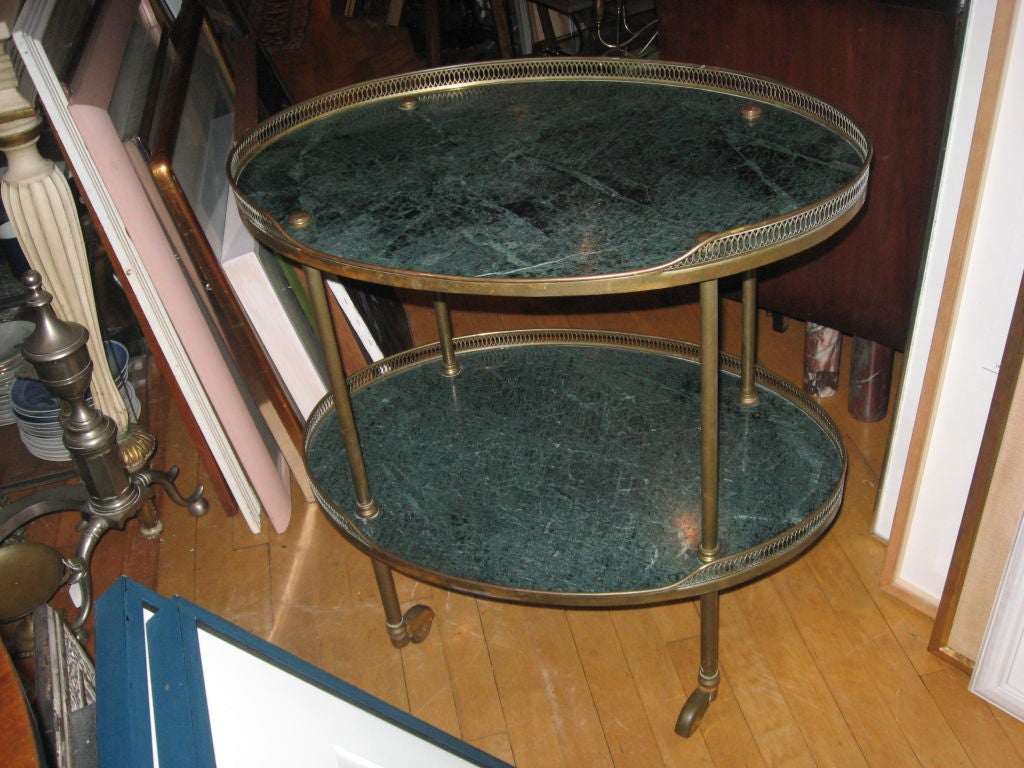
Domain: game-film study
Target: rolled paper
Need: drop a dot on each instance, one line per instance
(822, 351)
(870, 379)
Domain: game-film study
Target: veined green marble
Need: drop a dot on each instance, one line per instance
(569, 468)
(543, 179)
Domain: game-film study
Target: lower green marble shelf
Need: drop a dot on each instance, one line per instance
(563, 467)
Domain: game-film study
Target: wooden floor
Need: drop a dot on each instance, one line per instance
(820, 667)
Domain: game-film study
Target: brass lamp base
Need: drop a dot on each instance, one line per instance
(137, 447)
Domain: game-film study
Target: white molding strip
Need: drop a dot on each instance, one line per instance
(359, 327)
(999, 672)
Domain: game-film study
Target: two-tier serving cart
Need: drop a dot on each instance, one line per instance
(563, 467)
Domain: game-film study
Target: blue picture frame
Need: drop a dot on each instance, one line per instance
(142, 638)
(123, 708)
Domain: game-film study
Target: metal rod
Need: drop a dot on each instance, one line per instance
(91, 536)
(708, 676)
(748, 391)
(366, 505)
(449, 363)
(393, 615)
(709, 364)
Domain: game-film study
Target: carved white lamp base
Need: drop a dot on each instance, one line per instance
(41, 207)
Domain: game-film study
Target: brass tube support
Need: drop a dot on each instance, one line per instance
(709, 365)
(449, 363)
(709, 676)
(748, 352)
(389, 599)
(366, 505)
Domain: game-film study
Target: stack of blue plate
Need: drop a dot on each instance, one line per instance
(12, 364)
(37, 412)
(38, 417)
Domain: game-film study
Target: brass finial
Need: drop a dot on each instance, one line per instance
(137, 447)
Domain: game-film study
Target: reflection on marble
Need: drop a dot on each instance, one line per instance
(542, 179)
(572, 469)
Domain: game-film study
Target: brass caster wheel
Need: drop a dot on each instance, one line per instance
(413, 628)
(419, 619)
(693, 712)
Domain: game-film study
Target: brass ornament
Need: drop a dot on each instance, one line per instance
(31, 573)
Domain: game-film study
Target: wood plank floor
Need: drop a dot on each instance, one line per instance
(820, 667)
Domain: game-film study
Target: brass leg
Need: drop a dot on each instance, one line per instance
(709, 371)
(708, 678)
(748, 392)
(414, 625)
(366, 505)
(449, 364)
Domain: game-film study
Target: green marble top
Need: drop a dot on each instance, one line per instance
(549, 177)
(570, 473)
